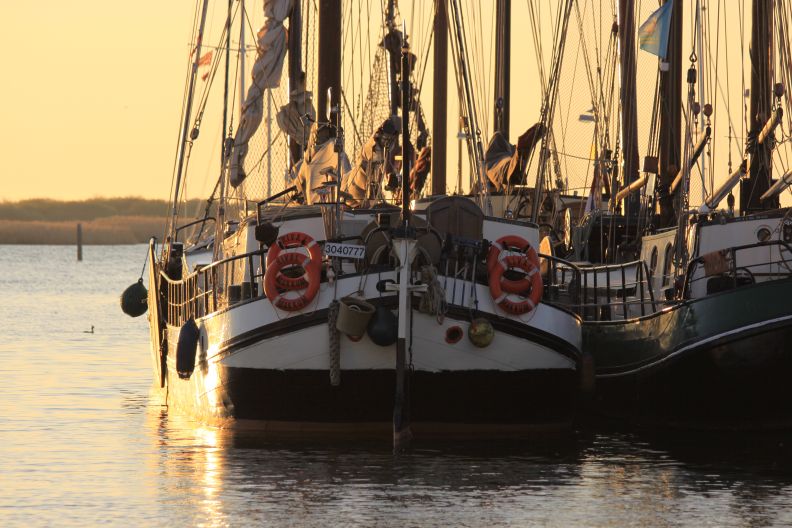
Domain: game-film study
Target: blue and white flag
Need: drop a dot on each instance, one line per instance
(653, 34)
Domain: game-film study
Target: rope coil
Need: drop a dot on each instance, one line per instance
(335, 344)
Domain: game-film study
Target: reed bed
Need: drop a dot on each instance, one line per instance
(101, 231)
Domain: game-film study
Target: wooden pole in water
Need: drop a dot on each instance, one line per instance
(79, 242)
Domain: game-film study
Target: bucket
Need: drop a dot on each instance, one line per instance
(353, 316)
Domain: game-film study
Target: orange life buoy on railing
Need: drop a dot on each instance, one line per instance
(531, 295)
(294, 240)
(311, 277)
(496, 253)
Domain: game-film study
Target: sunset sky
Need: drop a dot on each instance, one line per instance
(92, 91)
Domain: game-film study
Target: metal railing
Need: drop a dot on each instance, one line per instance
(213, 287)
(594, 293)
(741, 273)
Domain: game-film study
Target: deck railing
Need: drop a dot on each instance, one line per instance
(213, 287)
(597, 293)
(734, 267)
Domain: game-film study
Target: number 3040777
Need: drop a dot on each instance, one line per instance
(334, 249)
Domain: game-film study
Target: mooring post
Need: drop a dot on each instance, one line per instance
(79, 242)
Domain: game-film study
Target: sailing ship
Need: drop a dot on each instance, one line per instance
(687, 312)
(345, 300)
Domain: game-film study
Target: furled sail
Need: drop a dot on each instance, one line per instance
(504, 163)
(368, 171)
(293, 115)
(271, 46)
(319, 166)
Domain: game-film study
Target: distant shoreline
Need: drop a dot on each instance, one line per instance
(102, 231)
(105, 221)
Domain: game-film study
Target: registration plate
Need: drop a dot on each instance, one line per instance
(335, 249)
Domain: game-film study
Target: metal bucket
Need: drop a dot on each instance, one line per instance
(353, 316)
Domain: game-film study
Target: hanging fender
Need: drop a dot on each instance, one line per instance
(499, 293)
(311, 276)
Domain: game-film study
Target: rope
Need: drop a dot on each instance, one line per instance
(433, 302)
(335, 344)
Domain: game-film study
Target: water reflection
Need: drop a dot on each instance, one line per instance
(223, 475)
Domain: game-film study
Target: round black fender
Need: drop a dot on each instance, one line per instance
(134, 300)
(186, 349)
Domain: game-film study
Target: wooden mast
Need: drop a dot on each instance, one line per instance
(296, 74)
(760, 173)
(502, 66)
(669, 161)
(629, 103)
(439, 107)
(329, 57)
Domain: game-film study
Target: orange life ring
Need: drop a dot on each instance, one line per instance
(494, 256)
(499, 293)
(273, 292)
(294, 240)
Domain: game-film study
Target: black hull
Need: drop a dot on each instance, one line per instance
(743, 382)
(453, 402)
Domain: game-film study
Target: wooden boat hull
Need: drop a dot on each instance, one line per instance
(527, 381)
(721, 361)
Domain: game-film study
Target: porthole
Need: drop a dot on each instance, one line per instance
(667, 261)
(653, 262)
(763, 234)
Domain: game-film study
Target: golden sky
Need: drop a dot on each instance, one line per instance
(92, 90)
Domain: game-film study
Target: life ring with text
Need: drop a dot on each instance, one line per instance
(531, 295)
(275, 293)
(497, 253)
(294, 240)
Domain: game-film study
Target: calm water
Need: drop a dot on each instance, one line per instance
(83, 442)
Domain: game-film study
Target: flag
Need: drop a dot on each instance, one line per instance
(206, 59)
(653, 34)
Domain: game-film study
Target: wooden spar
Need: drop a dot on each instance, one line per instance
(760, 170)
(502, 66)
(242, 51)
(329, 56)
(629, 125)
(296, 74)
(406, 153)
(187, 116)
(669, 162)
(404, 243)
(393, 56)
(440, 108)
(227, 83)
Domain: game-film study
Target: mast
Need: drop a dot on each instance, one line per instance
(242, 52)
(329, 57)
(760, 171)
(404, 243)
(629, 125)
(439, 108)
(187, 115)
(669, 162)
(502, 66)
(392, 44)
(296, 75)
(224, 152)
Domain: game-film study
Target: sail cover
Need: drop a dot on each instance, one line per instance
(271, 48)
(319, 166)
